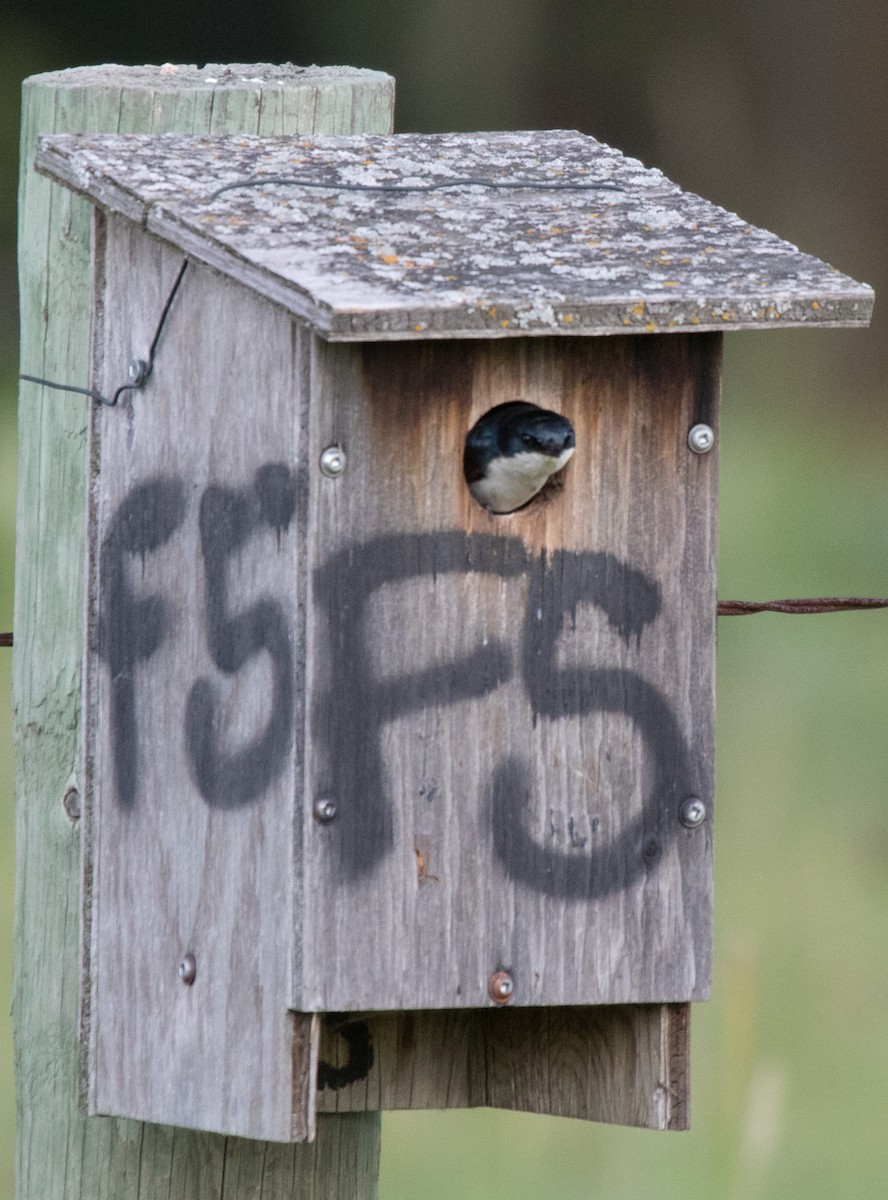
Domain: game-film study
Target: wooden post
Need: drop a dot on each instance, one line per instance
(60, 1151)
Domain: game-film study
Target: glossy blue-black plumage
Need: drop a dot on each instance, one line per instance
(511, 452)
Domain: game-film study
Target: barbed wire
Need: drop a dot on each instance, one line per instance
(745, 608)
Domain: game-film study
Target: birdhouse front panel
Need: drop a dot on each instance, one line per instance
(509, 713)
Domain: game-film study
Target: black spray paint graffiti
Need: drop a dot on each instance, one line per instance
(132, 628)
(359, 1043)
(359, 701)
(348, 720)
(630, 601)
(228, 518)
(558, 584)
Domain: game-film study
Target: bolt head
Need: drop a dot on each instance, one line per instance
(324, 810)
(692, 813)
(138, 371)
(333, 462)
(500, 987)
(701, 439)
(188, 969)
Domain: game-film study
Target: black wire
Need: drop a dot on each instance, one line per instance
(294, 181)
(149, 365)
(164, 314)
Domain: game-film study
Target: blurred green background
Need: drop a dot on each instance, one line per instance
(778, 111)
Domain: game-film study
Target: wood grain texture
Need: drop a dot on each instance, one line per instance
(627, 1065)
(60, 1152)
(509, 711)
(191, 701)
(570, 236)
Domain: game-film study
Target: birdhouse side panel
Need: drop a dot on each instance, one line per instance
(193, 697)
(508, 714)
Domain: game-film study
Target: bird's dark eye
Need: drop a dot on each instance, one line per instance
(528, 439)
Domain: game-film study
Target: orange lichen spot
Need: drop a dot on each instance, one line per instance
(554, 229)
(504, 324)
(727, 315)
(651, 326)
(389, 258)
(815, 306)
(638, 308)
(491, 312)
(418, 328)
(709, 250)
(593, 243)
(670, 283)
(567, 318)
(695, 320)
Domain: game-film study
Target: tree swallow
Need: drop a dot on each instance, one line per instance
(512, 451)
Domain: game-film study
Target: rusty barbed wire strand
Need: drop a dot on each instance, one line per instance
(745, 608)
(821, 604)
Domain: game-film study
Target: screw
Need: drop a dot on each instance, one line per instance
(692, 813)
(138, 371)
(500, 987)
(324, 810)
(188, 969)
(701, 439)
(71, 803)
(333, 462)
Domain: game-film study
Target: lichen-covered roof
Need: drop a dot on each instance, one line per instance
(564, 235)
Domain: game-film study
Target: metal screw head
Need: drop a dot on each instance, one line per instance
(500, 987)
(701, 439)
(324, 810)
(692, 813)
(333, 462)
(138, 371)
(188, 969)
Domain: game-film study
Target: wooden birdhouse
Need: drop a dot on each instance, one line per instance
(395, 799)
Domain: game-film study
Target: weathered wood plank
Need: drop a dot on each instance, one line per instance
(626, 1065)
(191, 699)
(569, 236)
(510, 711)
(60, 1152)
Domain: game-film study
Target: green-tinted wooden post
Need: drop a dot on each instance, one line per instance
(62, 1153)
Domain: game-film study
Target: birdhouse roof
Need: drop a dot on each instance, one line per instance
(457, 235)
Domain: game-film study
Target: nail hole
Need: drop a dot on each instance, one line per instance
(71, 804)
